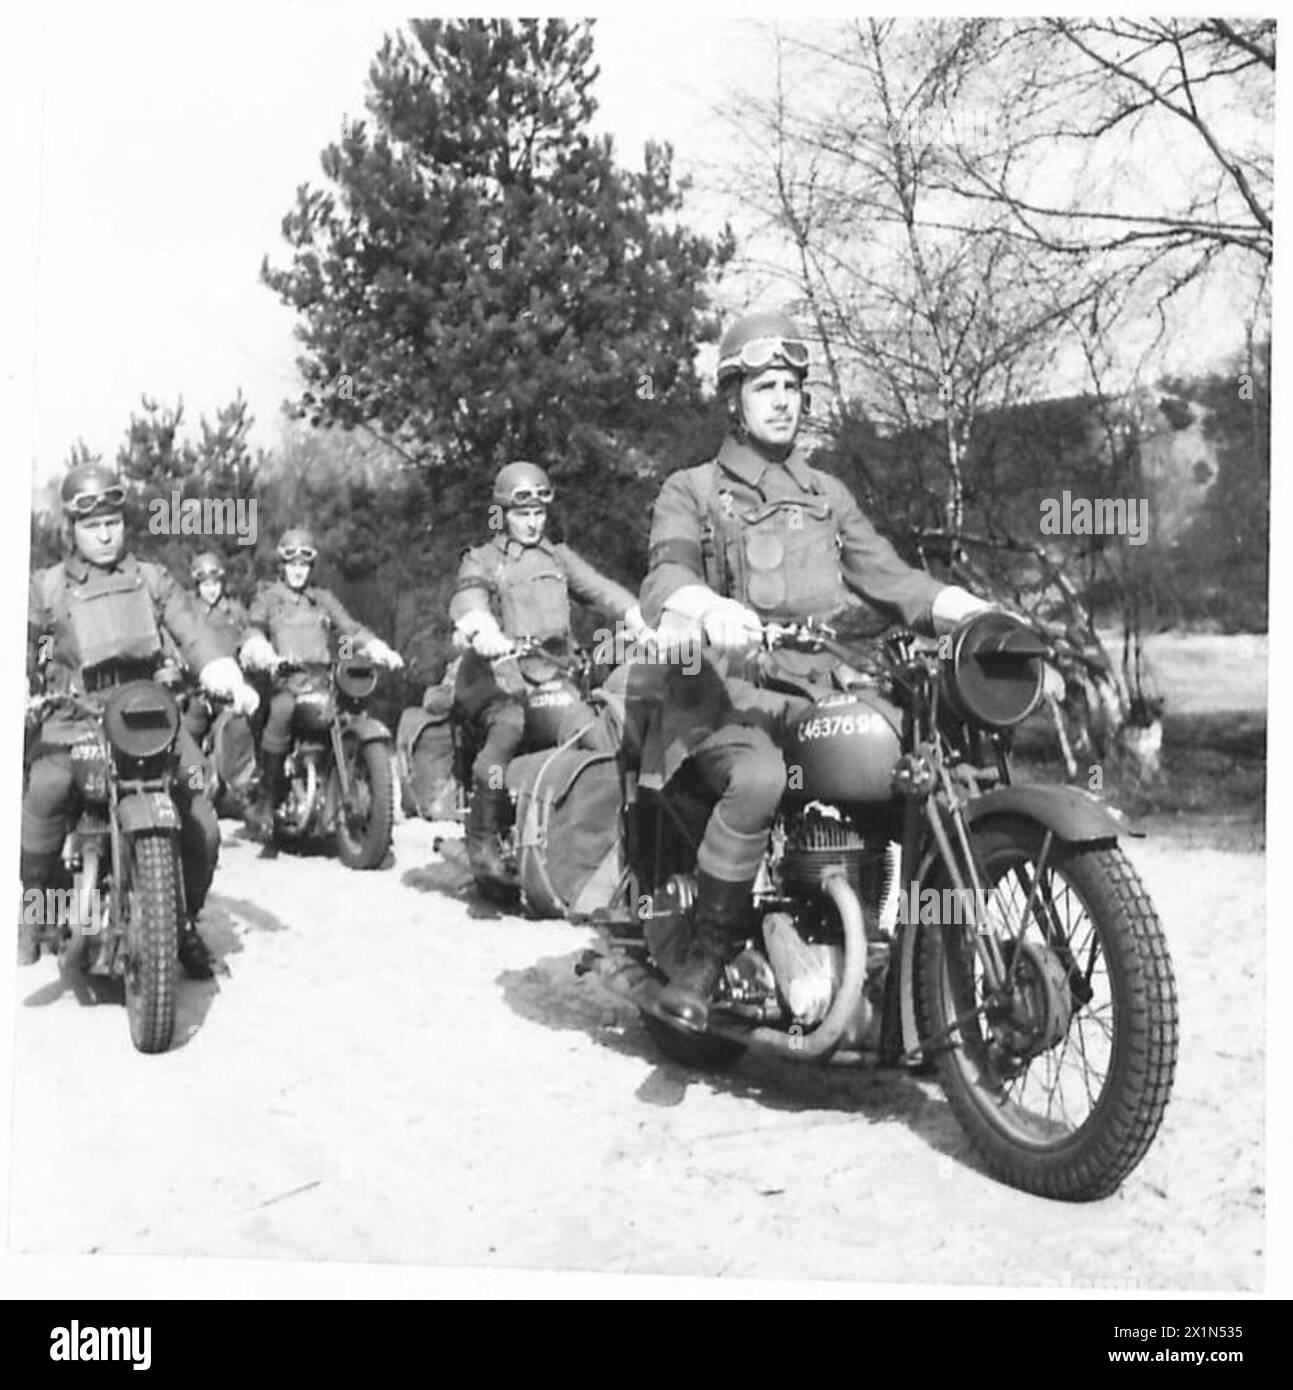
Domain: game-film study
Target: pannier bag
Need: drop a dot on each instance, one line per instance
(424, 754)
(233, 754)
(568, 833)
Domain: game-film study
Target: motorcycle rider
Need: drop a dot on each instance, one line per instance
(515, 586)
(752, 536)
(292, 620)
(226, 617)
(95, 620)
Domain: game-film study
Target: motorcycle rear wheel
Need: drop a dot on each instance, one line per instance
(363, 840)
(152, 931)
(1102, 939)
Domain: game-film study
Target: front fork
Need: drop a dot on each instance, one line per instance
(345, 782)
(931, 805)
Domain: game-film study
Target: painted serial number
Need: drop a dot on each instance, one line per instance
(832, 725)
(551, 698)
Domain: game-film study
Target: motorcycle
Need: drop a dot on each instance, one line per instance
(547, 701)
(917, 907)
(337, 774)
(125, 910)
(227, 744)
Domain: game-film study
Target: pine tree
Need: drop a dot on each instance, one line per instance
(480, 281)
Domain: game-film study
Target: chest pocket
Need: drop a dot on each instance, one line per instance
(301, 633)
(113, 622)
(784, 559)
(534, 599)
(227, 627)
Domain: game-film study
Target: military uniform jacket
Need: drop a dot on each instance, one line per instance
(527, 590)
(300, 625)
(788, 541)
(527, 587)
(84, 618)
(228, 619)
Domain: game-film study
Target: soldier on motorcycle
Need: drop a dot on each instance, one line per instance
(516, 586)
(293, 620)
(226, 617)
(95, 620)
(757, 535)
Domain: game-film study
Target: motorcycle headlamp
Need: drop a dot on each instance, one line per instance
(356, 678)
(994, 674)
(141, 720)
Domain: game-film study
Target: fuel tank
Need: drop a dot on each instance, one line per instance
(546, 705)
(845, 749)
(314, 708)
(90, 768)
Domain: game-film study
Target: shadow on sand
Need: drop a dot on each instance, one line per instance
(218, 927)
(551, 994)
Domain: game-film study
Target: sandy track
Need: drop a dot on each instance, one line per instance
(391, 1072)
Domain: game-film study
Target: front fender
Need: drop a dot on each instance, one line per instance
(366, 729)
(141, 811)
(1070, 813)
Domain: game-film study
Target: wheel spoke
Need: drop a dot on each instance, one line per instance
(1022, 906)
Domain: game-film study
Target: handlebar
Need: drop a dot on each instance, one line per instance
(530, 646)
(40, 705)
(290, 666)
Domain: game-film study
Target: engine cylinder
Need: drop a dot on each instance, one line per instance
(818, 846)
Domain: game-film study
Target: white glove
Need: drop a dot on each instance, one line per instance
(731, 626)
(484, 634)
(953, 605)
(491, 644)
(1053, 686)
(223, 678)
(378, 651)
(634, 623)
(257, 654)
(246, 701)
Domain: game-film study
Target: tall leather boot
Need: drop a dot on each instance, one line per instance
(37, 871)
(261, 816)
(485, 818)
(719, 920)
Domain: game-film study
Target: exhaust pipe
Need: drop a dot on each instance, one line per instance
(82, 924)
(826, 1036)
(631, 980)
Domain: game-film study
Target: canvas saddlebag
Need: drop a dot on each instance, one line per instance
(233, 752)
(568, 831)
(424, 753)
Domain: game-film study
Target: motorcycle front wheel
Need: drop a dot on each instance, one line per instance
(154, 903)
(1062, 1084)
(363, 828)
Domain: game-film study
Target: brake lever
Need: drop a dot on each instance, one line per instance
(809, 636)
